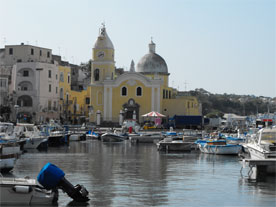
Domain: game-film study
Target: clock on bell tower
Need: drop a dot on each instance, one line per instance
(103, 64)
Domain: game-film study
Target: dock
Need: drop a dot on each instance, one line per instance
(260, 167)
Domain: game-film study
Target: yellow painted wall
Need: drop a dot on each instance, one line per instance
(79, 98)
(105, 70)
(96, 94)
(108, 68)
(108, 54)
(165, 78)
(74, 97)
(185, 105)
(118, 101)
(64, 84)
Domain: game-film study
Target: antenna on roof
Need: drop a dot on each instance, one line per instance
(73, 59)
(4, 40)
(185, 83)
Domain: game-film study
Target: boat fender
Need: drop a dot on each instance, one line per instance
(22, 189)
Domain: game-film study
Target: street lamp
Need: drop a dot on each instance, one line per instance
(16, 112)
(90, 112)
(125, 110)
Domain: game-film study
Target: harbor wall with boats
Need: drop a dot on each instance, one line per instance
(256, 148)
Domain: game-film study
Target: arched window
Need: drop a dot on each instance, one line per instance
(68, 78)
(96, 74)
(139, 91)
(25, 101)
(25, 86)
(124, 91)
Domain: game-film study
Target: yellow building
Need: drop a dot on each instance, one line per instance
(74, 105)
(135, 92)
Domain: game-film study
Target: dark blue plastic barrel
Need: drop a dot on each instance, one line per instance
(49, 176)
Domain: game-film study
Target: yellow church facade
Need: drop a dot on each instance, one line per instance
(134, 92)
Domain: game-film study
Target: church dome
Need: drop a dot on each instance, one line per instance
(152, 62)
(103, 41)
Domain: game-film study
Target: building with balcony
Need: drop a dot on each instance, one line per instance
(34, 81)
(36, 90)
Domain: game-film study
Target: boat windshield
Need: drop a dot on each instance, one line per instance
(269, 135)
(30, 128)
(6, 128)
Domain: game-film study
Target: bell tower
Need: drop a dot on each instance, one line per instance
(103, 64)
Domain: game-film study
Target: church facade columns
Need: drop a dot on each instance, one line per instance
(107, 103)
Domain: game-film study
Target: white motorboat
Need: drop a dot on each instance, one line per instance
(9, 153)
(31, 134)
(145, 137)
(219, 147)
(25, 191)
(112, 137)
(57, 135)
(77, 136)
(92, 135)
(169, 144)
(43, 191)
(6, 129)
(263, 146)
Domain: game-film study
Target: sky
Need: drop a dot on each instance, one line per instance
(223, 46)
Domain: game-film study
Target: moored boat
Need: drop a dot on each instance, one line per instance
(219, 147)
(92, 135)
(77, 137)
(168, 144)
(57, 135)
(43, 191)
(112, 137)
(31, 134)
(146, 137)
(25, 191)
(263, 146)
(9, 153)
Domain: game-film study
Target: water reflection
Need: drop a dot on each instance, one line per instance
(122, 170)
(122, 174)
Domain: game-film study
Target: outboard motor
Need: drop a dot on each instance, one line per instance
(51, 177)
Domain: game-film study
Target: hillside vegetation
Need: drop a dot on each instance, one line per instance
(244, 105)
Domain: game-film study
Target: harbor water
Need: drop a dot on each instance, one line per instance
(125, 174)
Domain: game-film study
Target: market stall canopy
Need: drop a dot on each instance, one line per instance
(153, 114)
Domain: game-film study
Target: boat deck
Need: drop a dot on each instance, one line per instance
(17, 181)
(260, 162)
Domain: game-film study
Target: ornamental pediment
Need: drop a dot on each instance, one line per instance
(131, 82)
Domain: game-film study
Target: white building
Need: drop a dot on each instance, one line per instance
(235, 121)
(34, 82)
(5, 73)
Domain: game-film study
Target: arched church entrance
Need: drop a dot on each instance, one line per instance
(130, 108)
